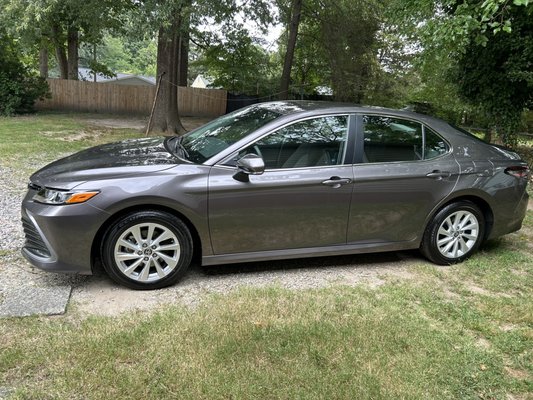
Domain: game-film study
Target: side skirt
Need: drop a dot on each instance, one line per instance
(308, 252)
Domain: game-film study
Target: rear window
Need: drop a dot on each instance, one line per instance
(389, 139)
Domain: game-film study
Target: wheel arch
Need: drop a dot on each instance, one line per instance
(97, 241)
(479, 201)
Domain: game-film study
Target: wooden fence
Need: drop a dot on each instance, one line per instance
(124, 99)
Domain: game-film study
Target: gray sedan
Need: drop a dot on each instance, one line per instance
(273, 181)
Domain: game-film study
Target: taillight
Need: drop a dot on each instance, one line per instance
(518, 171)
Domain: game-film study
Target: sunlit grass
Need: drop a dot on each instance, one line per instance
(28, 142)
(399, 341)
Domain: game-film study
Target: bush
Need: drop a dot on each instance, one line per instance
(19, 88)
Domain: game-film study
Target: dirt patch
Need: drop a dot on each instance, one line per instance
(484, 292)
(135, 123)
(517, 373)
(98, 295)
(507, 327)
(483, 343)
(139, 123)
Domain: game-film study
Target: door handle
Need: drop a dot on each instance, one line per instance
(336, 182)
(436, 174)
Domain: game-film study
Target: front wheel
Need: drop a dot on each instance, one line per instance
(147, 250)
(454, 234)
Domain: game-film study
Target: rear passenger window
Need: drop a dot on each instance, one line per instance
(389, 139)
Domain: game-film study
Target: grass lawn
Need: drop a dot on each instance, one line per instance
(459, 332)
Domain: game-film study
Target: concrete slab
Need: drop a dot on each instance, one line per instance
(23, 301)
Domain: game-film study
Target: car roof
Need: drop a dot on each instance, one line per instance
(288, 107)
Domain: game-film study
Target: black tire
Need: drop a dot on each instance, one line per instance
(159, 242)
(463, 242)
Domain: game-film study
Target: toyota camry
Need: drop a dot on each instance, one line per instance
(273, 181)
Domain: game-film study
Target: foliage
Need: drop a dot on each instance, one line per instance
(393, 79)
(310, 68)
(123, 53)
(237, 63)
(19, 88)
(464, 50)
(55, 24)
(498, 77)
(335, 46)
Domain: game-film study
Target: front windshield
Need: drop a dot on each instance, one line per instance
(203, 143)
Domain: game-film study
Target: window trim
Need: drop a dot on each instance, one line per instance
(350, 142)
(360, 140)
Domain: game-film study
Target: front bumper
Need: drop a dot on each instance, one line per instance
(60, 238)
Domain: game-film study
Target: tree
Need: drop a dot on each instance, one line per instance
(61, 25)
(469, 51)
(177, 22)
(393, 77)
(19, 88)
(237, 63)
(311, 68)
(293, 16)
(496, 75)
(348, 31)
(121, 53)
(166, 116)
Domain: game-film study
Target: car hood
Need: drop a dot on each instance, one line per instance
(129, 157)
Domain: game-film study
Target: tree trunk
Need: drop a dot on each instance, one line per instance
(43, 61)
(72, 45)
(166, 117)
(62, 62)
(488, 135)
(183, 60)
(296, 12)
(60, 51)
(94, 61)
(183, 67)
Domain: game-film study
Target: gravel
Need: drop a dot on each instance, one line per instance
(25, 290)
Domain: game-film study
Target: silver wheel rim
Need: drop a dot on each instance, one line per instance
(458, 234)
(147, 252)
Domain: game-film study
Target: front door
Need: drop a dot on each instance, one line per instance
(296, 202)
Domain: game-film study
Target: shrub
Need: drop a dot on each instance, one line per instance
(19, 88)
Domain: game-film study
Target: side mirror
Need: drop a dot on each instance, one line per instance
(250, 164)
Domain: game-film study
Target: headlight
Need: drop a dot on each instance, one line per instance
(56, 197)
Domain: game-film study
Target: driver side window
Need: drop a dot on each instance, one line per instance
(310, 143)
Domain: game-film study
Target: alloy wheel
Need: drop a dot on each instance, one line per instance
(147, 252)
(458, 234)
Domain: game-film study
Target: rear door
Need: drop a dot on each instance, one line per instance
(404, 170)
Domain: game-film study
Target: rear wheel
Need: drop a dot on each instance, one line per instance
(147, 250)
(454, 234)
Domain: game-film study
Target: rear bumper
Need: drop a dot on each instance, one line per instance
(509, 219)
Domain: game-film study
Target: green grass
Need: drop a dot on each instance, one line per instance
(459, 332)
(399, 341)
(27, 142)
